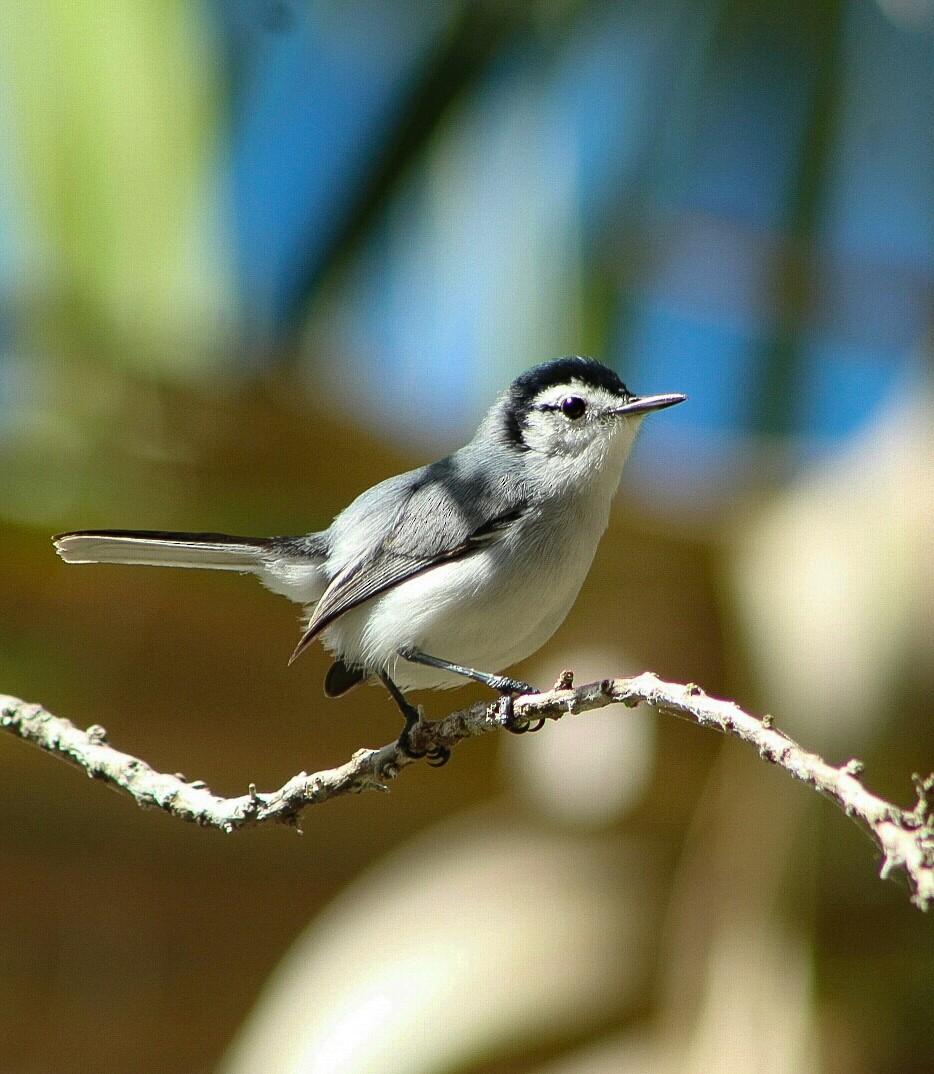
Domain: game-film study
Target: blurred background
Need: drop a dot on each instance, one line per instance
(258, 254)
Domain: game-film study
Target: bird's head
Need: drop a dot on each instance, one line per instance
(572, 418)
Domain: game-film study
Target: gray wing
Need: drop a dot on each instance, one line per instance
(442, 512)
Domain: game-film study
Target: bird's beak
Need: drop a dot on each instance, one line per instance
(647, 403)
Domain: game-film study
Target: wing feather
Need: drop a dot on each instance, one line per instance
(431, 527)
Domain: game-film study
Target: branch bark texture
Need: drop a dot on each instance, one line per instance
(904, 836)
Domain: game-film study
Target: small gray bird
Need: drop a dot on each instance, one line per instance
(471, 562)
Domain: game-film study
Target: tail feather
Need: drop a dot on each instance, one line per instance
(218, 551)
(290, 566)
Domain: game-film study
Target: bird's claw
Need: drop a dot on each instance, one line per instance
(437, 757)
(507, 716)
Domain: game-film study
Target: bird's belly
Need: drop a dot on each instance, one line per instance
(487, 611)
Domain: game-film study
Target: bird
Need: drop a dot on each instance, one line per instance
(452, 571)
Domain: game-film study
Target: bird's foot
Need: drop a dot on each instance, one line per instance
(437, 757)
(507, 716)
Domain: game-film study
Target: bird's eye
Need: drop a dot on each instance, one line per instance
(573, 407)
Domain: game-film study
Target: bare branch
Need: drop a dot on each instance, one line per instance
(905, 837)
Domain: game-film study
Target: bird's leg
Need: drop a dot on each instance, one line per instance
(502, 684)
(506, 688)
(436, 757)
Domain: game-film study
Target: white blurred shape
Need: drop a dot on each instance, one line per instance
(347, 1042)
(628, 1053)
(908, 14)
(756, 1013)
(589, 769)
(471, 939)
(832, 575)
